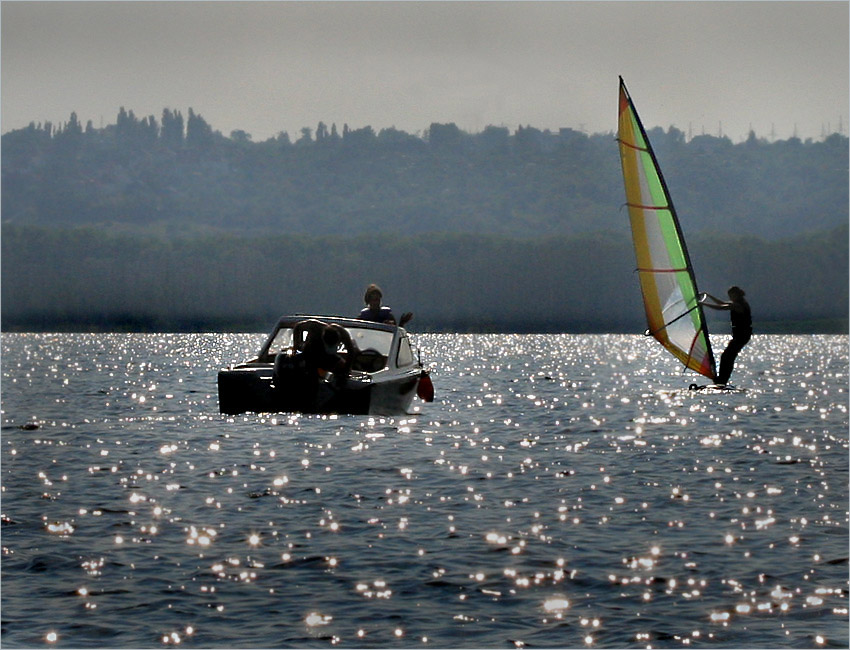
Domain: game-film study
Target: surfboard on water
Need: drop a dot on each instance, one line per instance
(722, 388)
(700, 391)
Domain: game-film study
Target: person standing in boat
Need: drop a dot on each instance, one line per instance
(378, 313)
(742, 329)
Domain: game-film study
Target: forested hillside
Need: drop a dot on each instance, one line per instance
(86, 279)
(171, 226)
(143, 174)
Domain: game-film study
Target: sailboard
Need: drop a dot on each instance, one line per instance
(671, 300)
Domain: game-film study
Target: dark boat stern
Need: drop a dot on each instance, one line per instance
(244, 389)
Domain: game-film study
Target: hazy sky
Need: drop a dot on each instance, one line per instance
(267, 67)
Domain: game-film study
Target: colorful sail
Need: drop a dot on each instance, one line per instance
(670, 297)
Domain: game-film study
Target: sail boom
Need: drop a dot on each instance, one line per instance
(667, 324)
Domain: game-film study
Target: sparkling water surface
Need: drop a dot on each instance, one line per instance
(562, 491)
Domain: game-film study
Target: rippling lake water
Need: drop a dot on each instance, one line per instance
(562, 491)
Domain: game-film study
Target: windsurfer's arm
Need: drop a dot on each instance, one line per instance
(715, 303)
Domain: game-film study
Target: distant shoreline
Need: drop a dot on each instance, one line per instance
(212, 326)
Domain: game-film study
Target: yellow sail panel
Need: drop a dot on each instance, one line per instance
(673, 312)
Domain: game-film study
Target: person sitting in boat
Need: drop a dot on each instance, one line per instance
(378, 313)
(742, 329)
(319, 349)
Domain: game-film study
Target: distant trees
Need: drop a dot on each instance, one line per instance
(171, 224)
(172, 128)
(199, 134)
(83, 278)
(183, 175)
(445, 136)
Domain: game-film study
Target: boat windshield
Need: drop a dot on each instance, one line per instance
(364, 339)
(282, 341)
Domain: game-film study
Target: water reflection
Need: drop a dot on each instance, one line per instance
(562, 491)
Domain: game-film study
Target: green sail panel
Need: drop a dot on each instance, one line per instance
(671, 300)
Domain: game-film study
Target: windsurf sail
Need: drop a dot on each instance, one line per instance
(670, 296)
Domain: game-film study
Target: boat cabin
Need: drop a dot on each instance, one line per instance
(379, 346)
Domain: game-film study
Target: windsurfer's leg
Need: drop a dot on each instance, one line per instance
(727, 359)
(727, 362)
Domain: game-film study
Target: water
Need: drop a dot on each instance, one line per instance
(562, 491)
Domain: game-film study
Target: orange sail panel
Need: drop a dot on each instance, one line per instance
(670, 297)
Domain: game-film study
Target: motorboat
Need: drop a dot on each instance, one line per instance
(374, 370)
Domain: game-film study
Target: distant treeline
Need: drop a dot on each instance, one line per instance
(91, 279)
(175, 176)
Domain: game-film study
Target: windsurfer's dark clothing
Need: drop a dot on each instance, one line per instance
(742, 321)
(380, 315)
(742, 330)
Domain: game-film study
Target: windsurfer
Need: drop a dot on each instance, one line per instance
(742, 328)
(377, 312)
